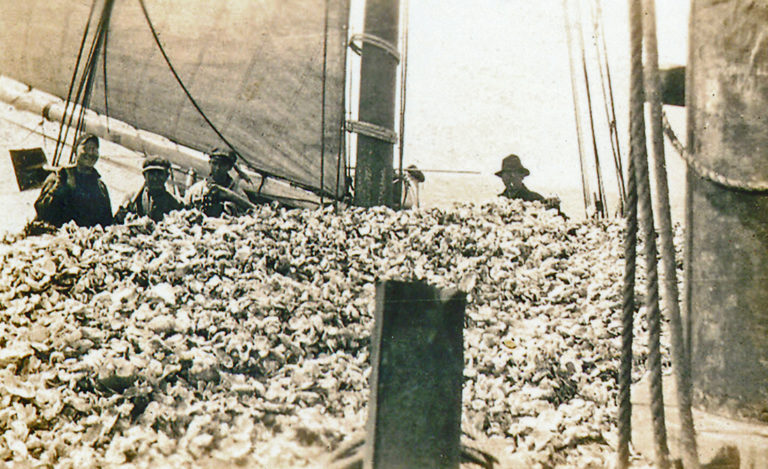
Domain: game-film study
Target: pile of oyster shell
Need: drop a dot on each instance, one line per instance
(197, 341)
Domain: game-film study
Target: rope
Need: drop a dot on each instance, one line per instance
(189, 95)
(576, 106)
(636, 139)
(372, 130)
(251, 166)
(609, 107)
(671, 293)
(99, 42)
(104, 71)
(181, 83)
(322, 101)
(59, 139)
(373, 40)
(601, 204)
(627, 320)
(639, 154)
(80, 95)
(403, 76)
(706, 173)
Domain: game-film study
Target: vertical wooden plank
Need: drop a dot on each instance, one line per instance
(414, 415)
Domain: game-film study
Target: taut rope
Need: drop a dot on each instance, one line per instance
(671, 293)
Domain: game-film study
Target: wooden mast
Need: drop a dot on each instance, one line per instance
(378, 82)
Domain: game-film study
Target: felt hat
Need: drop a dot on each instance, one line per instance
(512, 164)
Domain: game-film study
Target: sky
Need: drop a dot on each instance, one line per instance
(491, 77)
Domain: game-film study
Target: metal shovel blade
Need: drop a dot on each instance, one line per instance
(30, 166)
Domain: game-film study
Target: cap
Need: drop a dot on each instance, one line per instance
(85, 138)
(156, 162)
(223, 153)
(512, 164)
(415, 173)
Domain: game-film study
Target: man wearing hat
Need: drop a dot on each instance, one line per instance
(219, 193)
(512, 174)
(76, 193)
(152, 200)
(406, 190)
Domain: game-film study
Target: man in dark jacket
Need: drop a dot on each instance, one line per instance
(76, 193)
(512, 173)
(153, 200)
(219, 193)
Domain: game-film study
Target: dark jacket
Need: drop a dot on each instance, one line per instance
(143, 203)
(522, 193)
(87, 203)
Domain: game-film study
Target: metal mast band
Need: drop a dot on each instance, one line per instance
(374, 41)
(373, 131)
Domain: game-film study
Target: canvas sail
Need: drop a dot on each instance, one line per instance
(269, 74)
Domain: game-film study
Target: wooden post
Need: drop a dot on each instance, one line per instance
(414, 412)
(378, 81)
(727, 226)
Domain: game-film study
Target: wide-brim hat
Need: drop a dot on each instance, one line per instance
(512, 164)
(415, 173)
(224, 154)
(156, 163)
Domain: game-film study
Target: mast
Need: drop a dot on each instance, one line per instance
(378, 83)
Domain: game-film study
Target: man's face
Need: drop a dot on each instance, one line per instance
(512, 178)
(88, 154)
(155, 179)
(220, 170)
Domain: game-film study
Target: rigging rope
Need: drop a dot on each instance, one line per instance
(403, 76)
(600, 204)
(671, 293)
(706, 173)
(322, 103)
(261, 172)
(576, 106)
(59, 139)
(606, 86)
(85, 85)
(101, 33)
(627, 316)
(640, 158)
(104, 72)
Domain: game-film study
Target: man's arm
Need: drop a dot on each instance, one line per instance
(49, 203)
(129, 206)
(232, 196)
(105, 217)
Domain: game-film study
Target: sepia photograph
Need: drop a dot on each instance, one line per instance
(383, 234)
